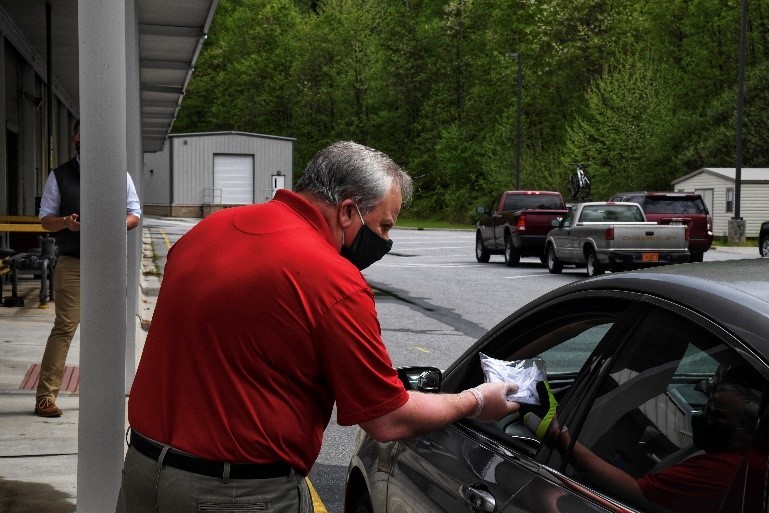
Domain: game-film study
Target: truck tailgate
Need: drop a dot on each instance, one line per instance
(649, 236)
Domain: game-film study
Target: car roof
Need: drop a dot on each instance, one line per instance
(668, 194)
(733, 293)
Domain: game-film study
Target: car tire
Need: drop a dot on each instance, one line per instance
(763, 247)
(362, 504)
(553, 265)
(512, 256)
(482, 254)
(696, 257)
(593, 267)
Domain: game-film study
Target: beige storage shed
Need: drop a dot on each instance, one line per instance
(717, 187)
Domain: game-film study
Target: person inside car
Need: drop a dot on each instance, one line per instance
(722, 432)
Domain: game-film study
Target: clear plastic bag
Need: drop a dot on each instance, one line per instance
(524, 373)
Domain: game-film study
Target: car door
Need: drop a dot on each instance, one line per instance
(488, 222)
(561, 237)
(472, 466)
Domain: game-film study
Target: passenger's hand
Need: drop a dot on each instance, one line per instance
(539, 417)
(495, 405)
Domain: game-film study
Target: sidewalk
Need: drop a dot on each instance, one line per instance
(38, 457)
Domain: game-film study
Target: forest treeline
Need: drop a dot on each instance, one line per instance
(642, 91)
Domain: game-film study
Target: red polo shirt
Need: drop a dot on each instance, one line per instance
(260, 326)
(697, 485)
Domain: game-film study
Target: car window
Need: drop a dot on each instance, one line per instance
(646, 419)
(566, 336)
(495, 208)
(533, 201)
(569, 219)
(661, 205)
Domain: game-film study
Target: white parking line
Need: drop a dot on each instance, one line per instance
(385, 264)
(400, 247)
(538, 275)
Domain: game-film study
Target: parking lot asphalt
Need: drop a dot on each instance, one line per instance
(38, 457)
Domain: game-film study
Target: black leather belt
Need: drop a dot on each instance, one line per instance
(189, 463)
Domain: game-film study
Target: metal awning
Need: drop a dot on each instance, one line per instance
(171, 34)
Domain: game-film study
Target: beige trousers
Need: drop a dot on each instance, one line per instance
(66, 284)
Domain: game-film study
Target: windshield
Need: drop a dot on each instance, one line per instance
(675, 206)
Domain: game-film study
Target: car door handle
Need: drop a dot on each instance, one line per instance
(478, 497)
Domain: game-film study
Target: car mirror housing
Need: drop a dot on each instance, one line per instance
(481, 210)
(421, 379)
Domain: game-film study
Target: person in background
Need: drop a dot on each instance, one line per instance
(264, 322)
(60, 213)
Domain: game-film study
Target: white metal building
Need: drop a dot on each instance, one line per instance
(717, 187)
(198, 173)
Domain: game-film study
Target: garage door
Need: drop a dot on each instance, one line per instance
(234, 176)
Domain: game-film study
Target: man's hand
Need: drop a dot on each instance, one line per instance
(492, 401)
(539, 417)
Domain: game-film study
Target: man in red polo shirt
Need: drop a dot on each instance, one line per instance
(262, 324)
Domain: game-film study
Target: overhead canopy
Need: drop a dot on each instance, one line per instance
(171, 34)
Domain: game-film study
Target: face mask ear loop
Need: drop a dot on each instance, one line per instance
(360, 215)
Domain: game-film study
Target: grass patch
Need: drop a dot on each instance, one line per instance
(408, 222)
(724, 241)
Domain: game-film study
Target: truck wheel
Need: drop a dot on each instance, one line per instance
(553, 265)
(696, 257)
(763, 247)
(512, 256)
(482, 254)
(594, 267)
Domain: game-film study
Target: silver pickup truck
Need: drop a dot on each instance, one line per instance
(613, 236)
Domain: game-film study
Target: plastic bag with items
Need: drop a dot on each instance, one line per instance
(524, 373)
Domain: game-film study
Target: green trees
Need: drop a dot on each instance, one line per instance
(642, 91)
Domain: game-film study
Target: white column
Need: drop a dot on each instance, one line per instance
(136, 168)
(3, 149)
(101, 36)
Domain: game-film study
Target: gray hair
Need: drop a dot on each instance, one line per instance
(348, 170)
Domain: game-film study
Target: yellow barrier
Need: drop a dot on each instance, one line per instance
(19, 219)
(22, 227)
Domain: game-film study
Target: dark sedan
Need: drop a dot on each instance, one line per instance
(763, 239)
(659, 377)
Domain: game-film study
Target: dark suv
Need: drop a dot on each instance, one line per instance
(763, 239)
(684, 207)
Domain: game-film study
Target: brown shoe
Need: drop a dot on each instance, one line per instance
(47, 408)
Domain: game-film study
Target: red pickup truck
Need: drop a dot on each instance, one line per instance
(517, 225)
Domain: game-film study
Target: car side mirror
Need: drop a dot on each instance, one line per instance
(481, 210)
(557, 222)
(421, 379)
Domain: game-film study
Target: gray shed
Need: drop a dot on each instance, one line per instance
(716, 185)
(198, 173)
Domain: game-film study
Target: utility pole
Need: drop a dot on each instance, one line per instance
(519, 81)
(737, 224)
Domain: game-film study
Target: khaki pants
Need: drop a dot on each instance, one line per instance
(66, 284)
(148, 487)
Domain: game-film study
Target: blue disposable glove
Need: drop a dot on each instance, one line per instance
(539, 417)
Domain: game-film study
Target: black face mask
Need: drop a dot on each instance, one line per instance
(709, 435)
(367, 248)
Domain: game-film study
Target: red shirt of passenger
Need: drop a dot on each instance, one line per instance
(260, 326)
